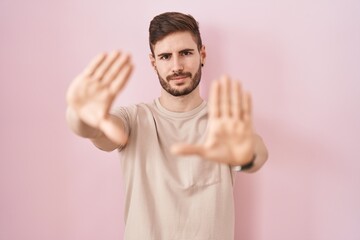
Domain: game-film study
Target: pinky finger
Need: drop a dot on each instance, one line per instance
(246, 107)
(94, 64)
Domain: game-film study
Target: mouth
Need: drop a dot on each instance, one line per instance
(179, 80)
(179, 77)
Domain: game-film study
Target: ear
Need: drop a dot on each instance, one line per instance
(152, 61)
(202, 54)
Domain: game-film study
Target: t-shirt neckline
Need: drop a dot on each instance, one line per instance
(179, 114)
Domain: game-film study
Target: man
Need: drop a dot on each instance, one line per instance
(178, 153)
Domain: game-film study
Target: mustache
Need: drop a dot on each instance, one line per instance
(175, 75)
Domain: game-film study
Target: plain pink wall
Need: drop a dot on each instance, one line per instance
(300, 59)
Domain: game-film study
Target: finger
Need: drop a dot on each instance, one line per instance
(94, 64)
(214, 103)
(115, 69)
(247, 107)
(187, 149)
(121, 79)
(225, 97)
(236, 99)
(105, 65)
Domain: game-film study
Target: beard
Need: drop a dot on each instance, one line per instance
(182, 92)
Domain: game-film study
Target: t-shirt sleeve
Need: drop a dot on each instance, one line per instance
(127, 115)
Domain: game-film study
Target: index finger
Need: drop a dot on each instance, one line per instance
(214, 100)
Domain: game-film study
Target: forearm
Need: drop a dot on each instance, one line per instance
(99, 138)
(261, 154)
(79, 127)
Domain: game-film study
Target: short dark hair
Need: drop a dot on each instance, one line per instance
(170, 22)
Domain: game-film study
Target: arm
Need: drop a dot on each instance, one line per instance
(90, 97)
(261, 154)
(99, 139)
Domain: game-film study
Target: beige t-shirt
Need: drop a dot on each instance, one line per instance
(169, 197)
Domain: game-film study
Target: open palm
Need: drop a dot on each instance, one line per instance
(230, 137)
(93, 92)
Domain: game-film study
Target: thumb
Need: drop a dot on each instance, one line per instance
(187, 149)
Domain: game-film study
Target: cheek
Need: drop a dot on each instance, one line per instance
(162, 69)
(193, 65)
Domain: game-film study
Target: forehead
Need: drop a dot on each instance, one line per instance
(175, 42)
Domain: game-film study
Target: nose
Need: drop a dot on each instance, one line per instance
(177, 65)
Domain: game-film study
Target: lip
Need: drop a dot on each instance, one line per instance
(179, 78)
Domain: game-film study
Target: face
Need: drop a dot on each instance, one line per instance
(177, 62)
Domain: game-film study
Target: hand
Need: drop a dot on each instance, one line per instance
(92, 93)
(230, 136)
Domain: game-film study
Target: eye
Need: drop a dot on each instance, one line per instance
(165, 57)
(186, 53)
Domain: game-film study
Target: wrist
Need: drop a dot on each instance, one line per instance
(78, 126)
(246, 166)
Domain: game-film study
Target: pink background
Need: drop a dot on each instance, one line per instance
(300, 60)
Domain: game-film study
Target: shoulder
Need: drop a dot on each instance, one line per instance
(132, 111)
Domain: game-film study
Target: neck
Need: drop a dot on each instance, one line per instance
(182, 103)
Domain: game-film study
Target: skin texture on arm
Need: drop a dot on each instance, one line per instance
(261, 153)
(231, 138)
(90, 97)
(98, 138)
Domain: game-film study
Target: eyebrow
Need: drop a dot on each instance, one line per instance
(187, 50)
(181, 51)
